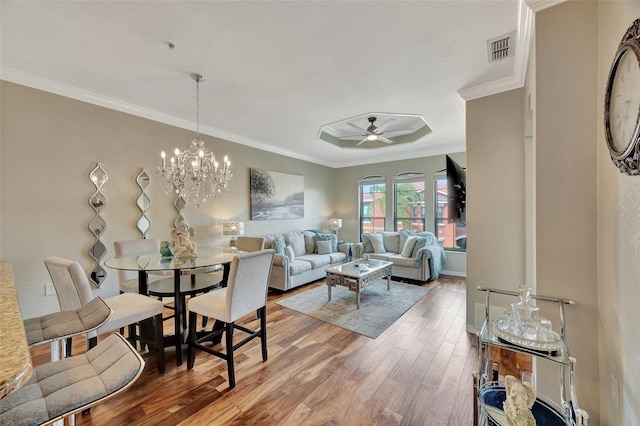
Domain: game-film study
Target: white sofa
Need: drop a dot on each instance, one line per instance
(307, 264)
(422, 263)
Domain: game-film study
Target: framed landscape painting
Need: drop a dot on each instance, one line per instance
(276, 195)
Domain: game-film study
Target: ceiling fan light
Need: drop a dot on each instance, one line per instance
(372, 137)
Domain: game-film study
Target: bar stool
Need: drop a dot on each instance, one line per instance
(58, 326)
(60, 389)
(74, 291)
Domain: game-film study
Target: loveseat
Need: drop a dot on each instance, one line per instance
(302, 257)
(415, 255)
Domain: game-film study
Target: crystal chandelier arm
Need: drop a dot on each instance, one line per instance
(194, 173)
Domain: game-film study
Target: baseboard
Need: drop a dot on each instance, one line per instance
(454, 273)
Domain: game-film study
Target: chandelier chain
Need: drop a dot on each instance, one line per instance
(197, 108)
(193, 173)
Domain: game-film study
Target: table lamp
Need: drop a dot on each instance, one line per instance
(335, 224)
(234, 229)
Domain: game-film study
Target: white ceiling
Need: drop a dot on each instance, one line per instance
(275, 71)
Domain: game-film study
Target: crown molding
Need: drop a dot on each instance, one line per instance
(490, 88)
(525, 32)
(419, 152)
(538, 5)
(30, 80)
(526, 26)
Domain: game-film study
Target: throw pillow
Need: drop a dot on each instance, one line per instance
(420, 242)
(324, 247)
(268, 240)
(377, 243)
(310, 241)
(408, 247)
(288, 250)
(404, 234)
(391, 242)
(278, 245)
(366, 243)
(296, 241)
(333, 238)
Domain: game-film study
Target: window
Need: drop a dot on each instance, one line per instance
(409, 201)
(452, 235)
(373, 199)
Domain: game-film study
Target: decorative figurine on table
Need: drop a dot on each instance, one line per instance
(182, 243)
(520, 399)
(165, 249)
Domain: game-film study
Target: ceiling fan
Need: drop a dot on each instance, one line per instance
(373, 132)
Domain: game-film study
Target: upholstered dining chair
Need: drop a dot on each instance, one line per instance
(246, 292)
(129, 279)
(74, 291)
(60, 389)
(189, 286)
(250, 243)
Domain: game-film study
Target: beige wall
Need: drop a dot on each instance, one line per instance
(618, 265)
(495, 198)
(50, 144)
(566, 205)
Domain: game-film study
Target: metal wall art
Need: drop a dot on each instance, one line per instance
(143, 203)
(180, 203)
(97, 225)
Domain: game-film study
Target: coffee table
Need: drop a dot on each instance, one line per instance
(349, 275)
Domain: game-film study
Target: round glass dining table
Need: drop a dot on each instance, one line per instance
(145, 263)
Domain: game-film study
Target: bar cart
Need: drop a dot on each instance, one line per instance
(492, 394)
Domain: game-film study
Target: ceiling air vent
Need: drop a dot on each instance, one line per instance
(501, 47)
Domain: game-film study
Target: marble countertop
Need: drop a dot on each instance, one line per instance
(15, 359)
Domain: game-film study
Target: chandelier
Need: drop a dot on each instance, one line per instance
(193, 172)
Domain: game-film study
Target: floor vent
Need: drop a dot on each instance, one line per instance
(501, 47)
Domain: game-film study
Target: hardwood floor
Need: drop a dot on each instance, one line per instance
(418, 372)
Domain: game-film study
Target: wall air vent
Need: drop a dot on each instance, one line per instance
(501, 47)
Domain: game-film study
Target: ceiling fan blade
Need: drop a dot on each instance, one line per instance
(358, 128)
(385, 140)
(362, 141)
(384, 125)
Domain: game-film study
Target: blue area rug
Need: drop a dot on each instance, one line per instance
(379, 307)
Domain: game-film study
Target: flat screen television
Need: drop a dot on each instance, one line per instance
(457, 191)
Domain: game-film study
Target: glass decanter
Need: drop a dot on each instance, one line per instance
(526, 315)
